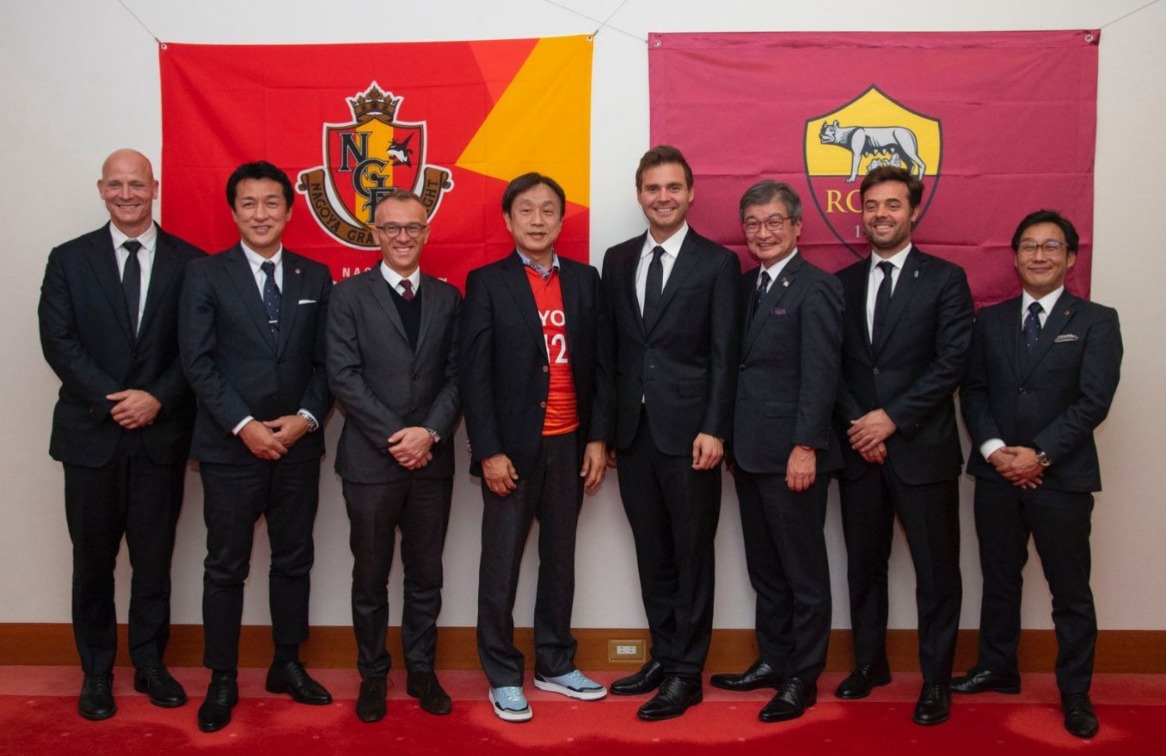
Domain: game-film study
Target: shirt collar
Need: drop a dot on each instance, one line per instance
(544, 272)
(393, 278)
(1047, 302)
(899, 259)
(257, 259)
(148, 238)
(775, 270)
(671, 245)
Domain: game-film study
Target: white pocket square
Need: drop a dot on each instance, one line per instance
(312, 301)
(1065, 337)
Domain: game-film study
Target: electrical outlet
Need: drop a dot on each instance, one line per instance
(631, 650)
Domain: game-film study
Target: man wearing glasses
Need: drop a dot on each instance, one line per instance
(527, 372)
(1044, 370)
(391, 364)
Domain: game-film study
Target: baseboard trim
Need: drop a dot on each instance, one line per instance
(1118, 651)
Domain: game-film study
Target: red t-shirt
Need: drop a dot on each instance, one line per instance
(562, 411)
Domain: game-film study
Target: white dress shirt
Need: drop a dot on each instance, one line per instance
(149, 241)
(875, 278)
(671, 247)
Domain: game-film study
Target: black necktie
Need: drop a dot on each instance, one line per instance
(882, 301)
(760, 291)
(1031, 328)
(272, 299)
(406, 290)
(131, 281)
(653, 286)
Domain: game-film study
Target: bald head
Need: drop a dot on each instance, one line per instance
(128, 188)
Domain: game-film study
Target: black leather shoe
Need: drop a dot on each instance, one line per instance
(96, 702)
(863, 679)
(795, 697)
(645, 681)
(291, 677)
(985, 680)
(934, 704)
(221, 696)
(676, 694)
(160, 686)
(370, 704)
(1079, 717)
(759, 675)
(423, 686)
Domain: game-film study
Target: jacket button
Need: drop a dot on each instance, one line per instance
(876, 371)
(1020, 390)
(542, 405)
(546, 369)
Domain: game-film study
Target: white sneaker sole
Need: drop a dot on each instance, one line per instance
(581, 695)
(510, 715)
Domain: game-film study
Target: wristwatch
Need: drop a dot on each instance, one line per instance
(1043, 458)
(434, 436)
(311, 421)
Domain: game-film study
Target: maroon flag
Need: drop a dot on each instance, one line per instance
(995, 124)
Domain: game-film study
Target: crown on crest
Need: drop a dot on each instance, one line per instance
(372, 102)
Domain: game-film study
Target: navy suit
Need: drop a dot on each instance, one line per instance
(504, 376)
(86, 337)
(674, 378)
(791, 351)
(385, 384)
(238, 368)
(911, 374)
(1050, 399)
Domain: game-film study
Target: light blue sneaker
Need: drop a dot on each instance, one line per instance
(510, 704)
(574, 684)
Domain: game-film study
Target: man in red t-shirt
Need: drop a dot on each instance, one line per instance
(526, 364)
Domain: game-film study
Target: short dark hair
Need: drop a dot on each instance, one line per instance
(885, 173)
(660, 155)
(768, 190)
(260, 169)
(528, 181)
(1047, 216)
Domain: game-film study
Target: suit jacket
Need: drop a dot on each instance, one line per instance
(1051, 399)
(503, 369)
(914, 370)
(791, 350)
(234, 363)
(683, 366)
(86, 338)
(383, 384)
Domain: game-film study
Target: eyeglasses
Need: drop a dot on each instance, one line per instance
(413, 230)
(774, 223)
(1050, 246)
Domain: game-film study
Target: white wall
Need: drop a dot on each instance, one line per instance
(80, 78)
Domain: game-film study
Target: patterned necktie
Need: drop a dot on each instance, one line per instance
(131, 281)
(1031, 328)
(760, 291)
(407, 290)
(272, 299)
(653, 286)
(882, 301)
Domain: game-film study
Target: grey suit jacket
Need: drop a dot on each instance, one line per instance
(234, 364)
(86, 339)
(1050, 400)
(383, 384)
(791, 350)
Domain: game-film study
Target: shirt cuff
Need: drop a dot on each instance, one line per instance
(991, 446)
(239, 427)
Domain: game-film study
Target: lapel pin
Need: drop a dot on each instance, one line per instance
(916, 274)
(784, 281)
(297, 271)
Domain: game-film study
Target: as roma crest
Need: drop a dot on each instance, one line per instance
(365, 161)
(869, 131)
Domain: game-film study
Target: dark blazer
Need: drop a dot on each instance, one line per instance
(685, 363)
(383, 383)
(914, 371)
(235, 365)
(504, 373)
(1050, 400)
(86, 338)
(788, 380)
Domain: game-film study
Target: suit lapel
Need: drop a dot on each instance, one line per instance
(514, 275)
(165, 267)
(630, 262)
(428, 309)
(905, 288)
(1006, 332)
(384, 299)
(1056, 323)
(103, 262)
(240, 274)
(855, 281)
(293, 284)
(778, 289)
(686, 262)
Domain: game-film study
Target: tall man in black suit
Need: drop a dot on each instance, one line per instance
(784, 448)
(905, 344)
(108, 327)
(251, 329)
(391, 364)
(673, 328)
(527, 372)
(1043, 373)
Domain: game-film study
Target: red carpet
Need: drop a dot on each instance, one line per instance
(38, 716)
